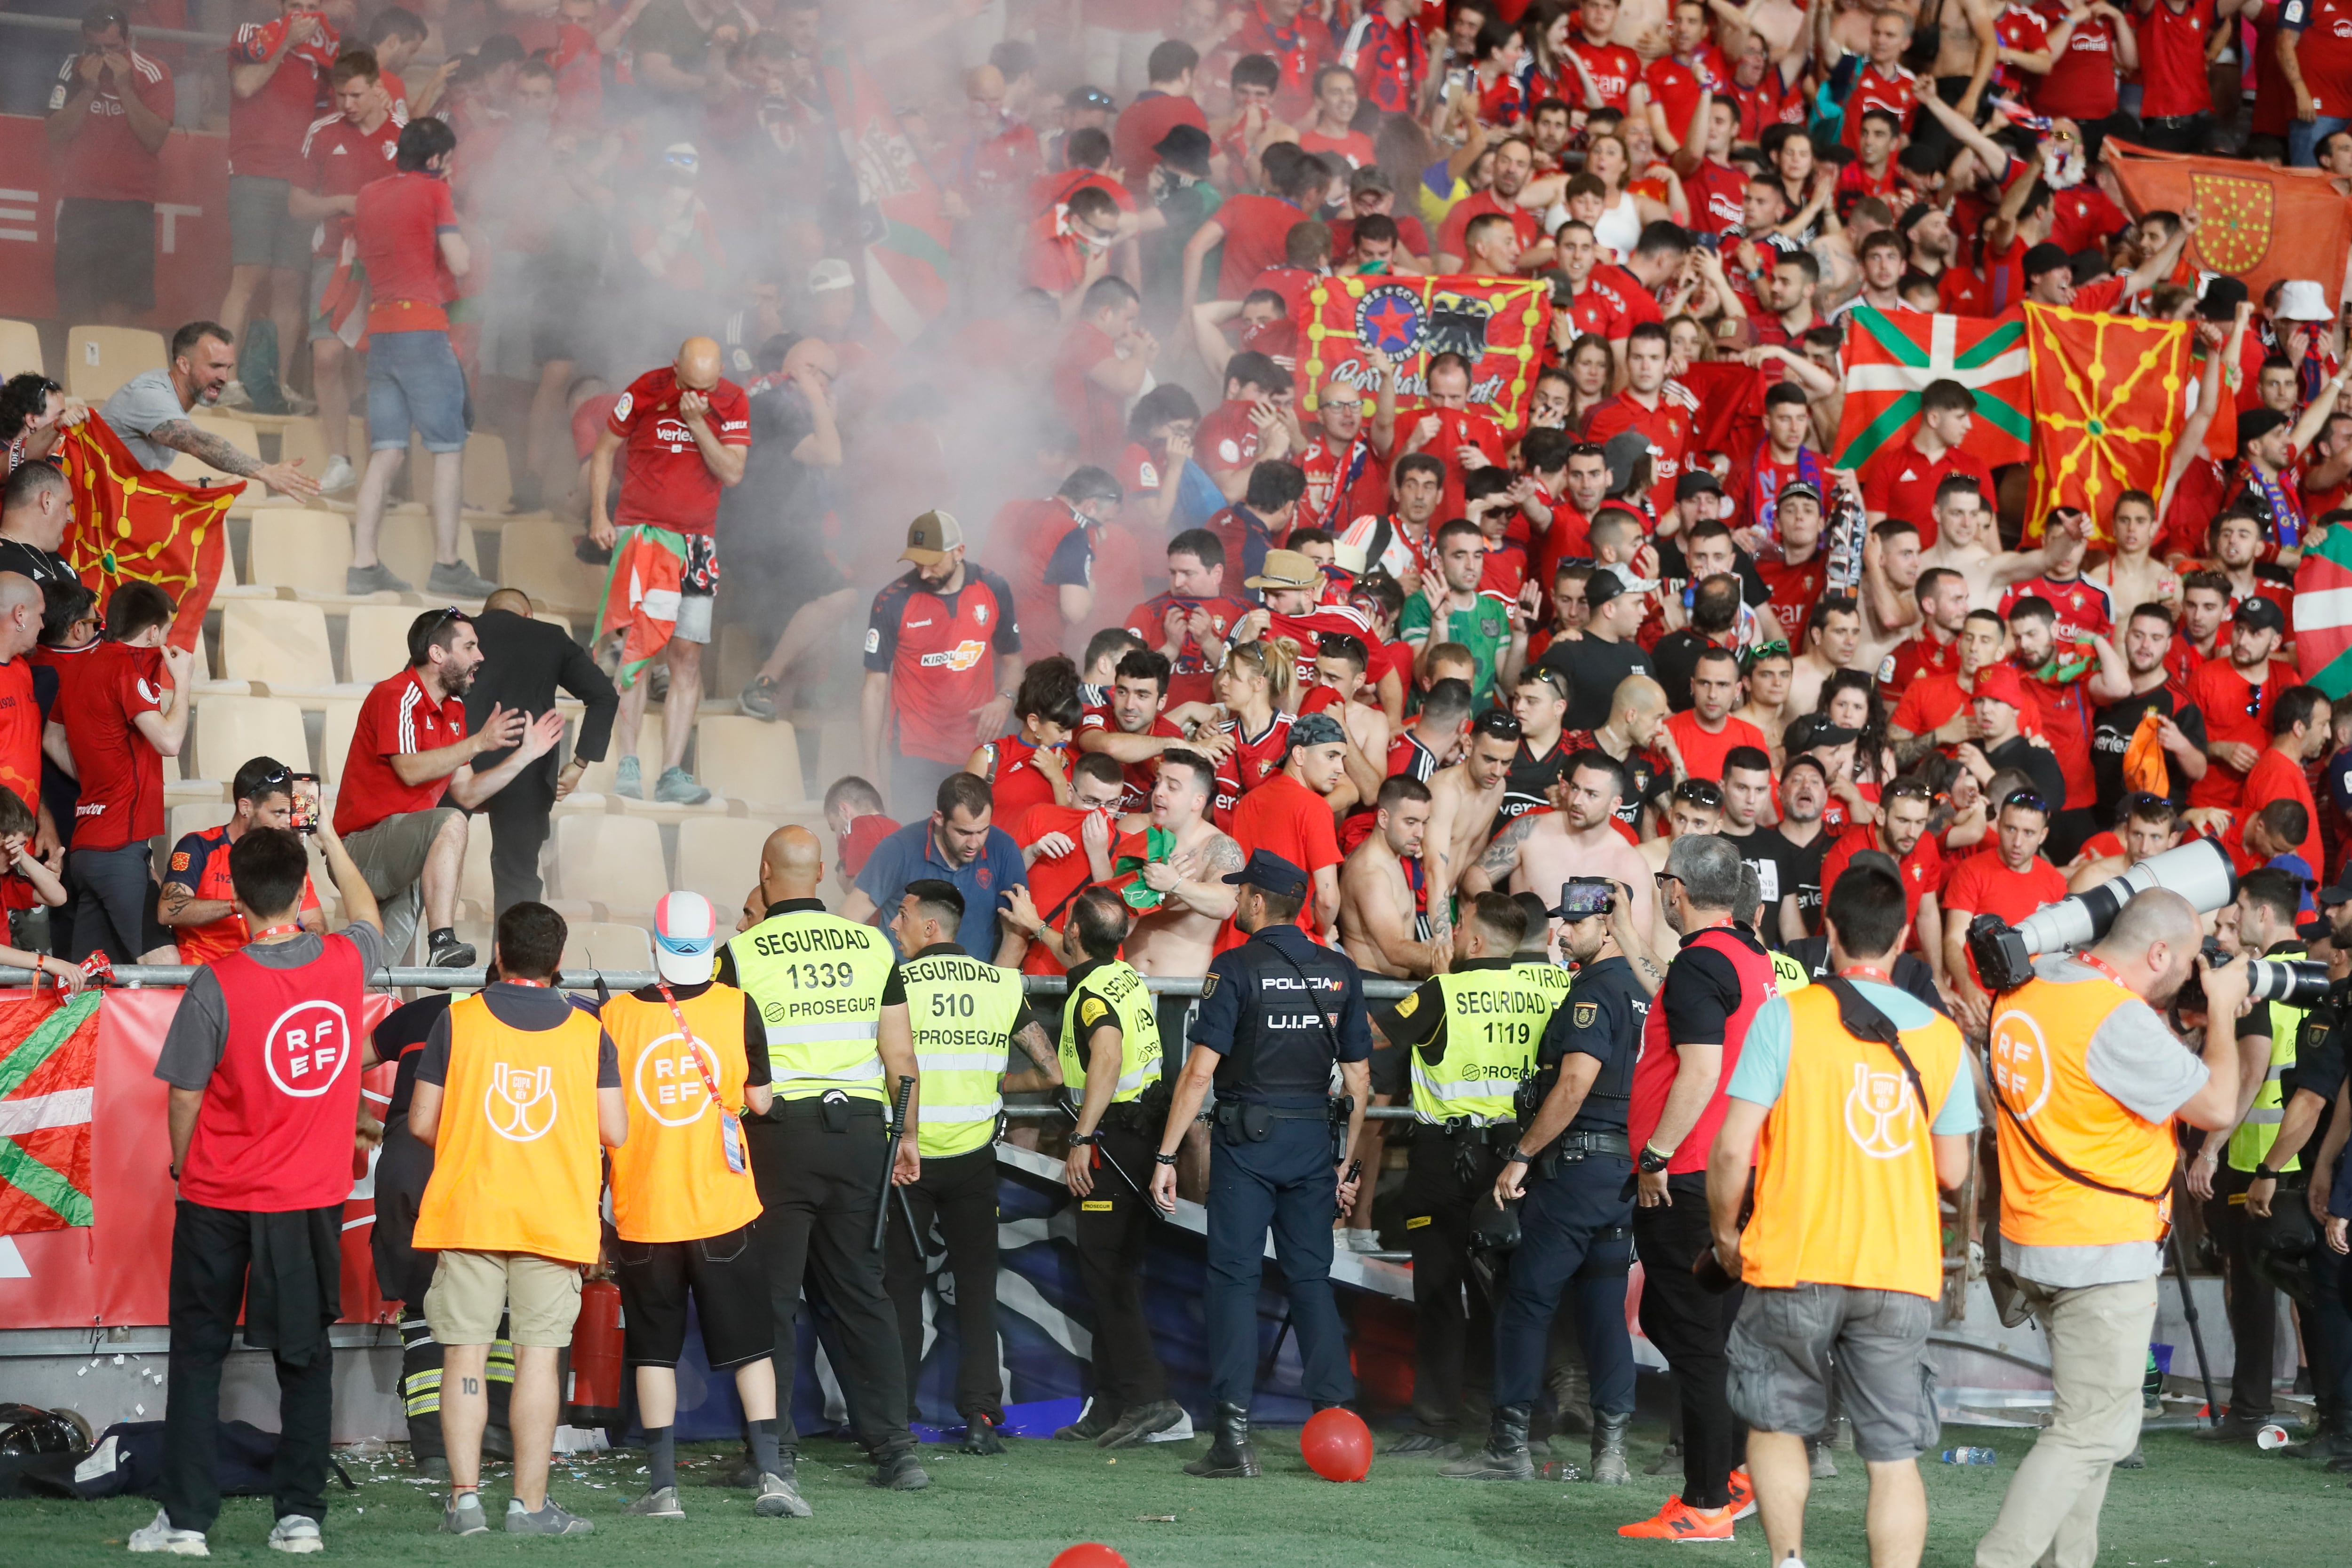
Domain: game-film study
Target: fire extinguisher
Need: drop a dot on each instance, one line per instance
(594, 1398)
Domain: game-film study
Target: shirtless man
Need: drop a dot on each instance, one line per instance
(1767, 707)
(1966, 537)
(1378, 925)
(1831, 635)
(1339, 664)
(1576, 838)
(1695, 806)
(1464, 800)
(1889, 597)
(2133, 574)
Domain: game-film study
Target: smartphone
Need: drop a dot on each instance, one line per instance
(306, 803)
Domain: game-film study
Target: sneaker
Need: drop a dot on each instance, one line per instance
(779, 1499)
(458, 580)
(900, 1471)
(677, 787)
(465, 1517)
(980, 1436)
(1743, 1495)
(339, 476)
(376, 578)
(627, 782)
(2233, 1429)
(1423, 1446)
(759, 698)
(1099, 1417)
(1680, 1521)
(659, 1503)
(1363, 1241)
(1143, 1424)
(1818, 1455)
(296, 404)
(553, 1518)
(160, 1536)
(297, 1534)
(233, 395)
(2134, 1460)
(451, 953)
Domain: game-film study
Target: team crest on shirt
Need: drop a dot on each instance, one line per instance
(984, 876)
(980, 614)
(178, 859)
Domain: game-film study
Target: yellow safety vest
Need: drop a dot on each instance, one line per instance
(2250, 1145)
(1552, 979)
(1494, 1021)
(818, 980)
(1114, 993)
(963, 1012)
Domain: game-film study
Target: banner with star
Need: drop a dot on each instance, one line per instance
(2256, 222)
(1497, 324)
(1889, 361)
(134, 524)
(2109, 400)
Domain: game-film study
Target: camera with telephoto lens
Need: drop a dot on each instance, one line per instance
(2199, 871)
(2296, 982)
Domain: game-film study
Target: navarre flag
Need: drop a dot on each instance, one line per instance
(2323, 612)
(2256, 222)
(642, 593)
(48, 1076)
(132, 524)
(2109, 400)
(900, 215)
(1499, 325)
(1890, 359)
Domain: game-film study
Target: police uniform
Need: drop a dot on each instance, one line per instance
(1115, 1219)
(822, 1153)
(964, 1014)
(2319, 1067)
(1465, 1040)
(1278, 1012)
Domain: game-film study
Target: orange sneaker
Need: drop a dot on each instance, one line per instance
(1743, 1495)
(1680, 1521)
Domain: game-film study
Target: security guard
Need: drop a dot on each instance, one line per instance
(1532, 961)
(2268, 899)
(835, 1007)
(963, 1013)
(1466, 1039)
(1276, 1014)
(1110, 1058)
(1574, 1165)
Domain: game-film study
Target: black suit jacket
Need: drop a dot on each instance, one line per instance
(524, 664)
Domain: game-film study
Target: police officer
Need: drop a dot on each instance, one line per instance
(1573, 1165)
(1276, 1013)
(1466, 1039)
(1110, 1059)
(835, 1007)
(963, 1013)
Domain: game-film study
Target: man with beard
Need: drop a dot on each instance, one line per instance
(2201, 632)
(1400, 542)
(2065, 678)
(1464, 802)
(1380, 927)
(1514, 165)
(927, 646)
(2235, 695)
(1934, 648)
(1935, 712)
(2179, 726)
(1804, 795)
(1345, 452)
(2010, 882)
(1901, 834)
(1578, 837)
(1177, 933)
(1131, 728)
(1599, 662)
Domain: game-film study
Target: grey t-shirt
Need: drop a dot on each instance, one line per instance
(2144, 1067)
(530, 1007)
(199, 1032)
(138, 405)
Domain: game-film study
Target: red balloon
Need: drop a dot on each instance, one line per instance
(1088, 1554)
(1337, 1445)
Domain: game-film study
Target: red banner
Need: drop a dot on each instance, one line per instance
(132, 524)
(2256, 222)
(1497, 324)
(191, 227)
(118, 1270)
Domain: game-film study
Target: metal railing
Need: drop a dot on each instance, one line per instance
(139, 33)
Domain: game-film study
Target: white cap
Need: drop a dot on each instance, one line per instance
(686, 938)
(2301, 299)
(830, 273)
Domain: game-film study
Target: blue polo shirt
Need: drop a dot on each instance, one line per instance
(910, 854)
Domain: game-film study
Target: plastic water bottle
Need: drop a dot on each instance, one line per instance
(1969, 1455)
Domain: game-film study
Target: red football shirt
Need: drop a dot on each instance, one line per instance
(398, 718)
(2172, 59)
(107, 162)
(397, 229)
(1285, 818)
(2237, 713)
(1094, 412)
(1140, 776)
(667, 483)
(1140, 127)
(342, 159)
(1254, 759)
(1017, 783)
(936, 650)
(1188, 682)
(265, 131)
(1256, 230)
(2275, 778)
(1901, 482)
(1666, 427)
(2083, 81)
(1450, 236)
(1916, 657)
(1983, 884)
(1703, 754)
(2085, 609)
(1897, 94)
(20, 731)
(1613, 67)
(200, 863)
(100, 699)
(1923, 869)
(1795, 590)
(856, 842)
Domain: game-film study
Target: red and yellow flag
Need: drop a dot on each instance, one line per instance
(1499, 325)
(132, 524)
(2108, 405)
(2256, 222)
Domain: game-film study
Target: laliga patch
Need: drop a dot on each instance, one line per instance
(874, 639)
(621, 409)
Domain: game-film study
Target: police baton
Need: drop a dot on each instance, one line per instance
(1104, 1154)
(897, 1136)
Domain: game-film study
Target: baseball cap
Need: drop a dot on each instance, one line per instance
(2222, 299)
(930, 536)
(1801, 490)
(1317, 729)
(2262, 615)
(1602, 586)
(686, 938)
(1582, 898)
(1270, 871)
(1621, 452)
(1696, 482)
(2001, 684)
(2301, 299)
(830, 273)
(2257, 423)
(2047, 257)
(1286, 569)
(1187, 146)
(1370, 179)
(2339, 894)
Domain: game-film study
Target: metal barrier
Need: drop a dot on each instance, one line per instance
(140, 33)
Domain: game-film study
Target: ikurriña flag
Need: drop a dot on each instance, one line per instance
(2323, 612)
(133, 524)
(902, 217)
(48, 1076)
(2109, 402)
(1890, 359)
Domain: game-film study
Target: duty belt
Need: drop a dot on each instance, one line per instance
(1578, 1143)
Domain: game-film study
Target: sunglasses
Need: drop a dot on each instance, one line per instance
(1910, 790)
(1501, 726)
(1776, 649)
(2028, 799)
(1699, 792)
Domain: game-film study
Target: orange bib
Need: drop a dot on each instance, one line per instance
(670, 1180)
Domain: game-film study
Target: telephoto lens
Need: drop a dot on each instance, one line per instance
(2297, 982)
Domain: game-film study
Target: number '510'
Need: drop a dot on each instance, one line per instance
(958, 1005)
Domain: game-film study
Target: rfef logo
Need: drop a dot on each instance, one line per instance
(306, 1049)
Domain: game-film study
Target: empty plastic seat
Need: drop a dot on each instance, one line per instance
(614, 861)
(490, 484)
(375, 640)
(746, 759)
(197, 817)
(342, 722)
(718, 857)
(20, 349)
(282, 641)
(99, 360)
(536, 556)
(608, 944)
(230, 731)
(405, 544)
(292, 547)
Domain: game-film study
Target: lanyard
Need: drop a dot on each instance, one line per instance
(293, 930)
(730, 1129)
(1866, 971)
(518, 980)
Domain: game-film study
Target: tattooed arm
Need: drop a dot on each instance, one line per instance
(186, 435)
(1210, 893)
(1048, 1072)
(1501, 859)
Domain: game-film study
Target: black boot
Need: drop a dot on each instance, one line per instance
(1504, 1458)
(1230, 1457)
(1609, 1467)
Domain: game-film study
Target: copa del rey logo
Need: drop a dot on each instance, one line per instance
(306, 1049)
(669, 1085)
(1878, 1113)
(520, 1101)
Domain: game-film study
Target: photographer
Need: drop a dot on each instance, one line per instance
(2087, 1081)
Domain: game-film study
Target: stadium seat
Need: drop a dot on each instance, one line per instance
(20, 349)
(536, 556)
(489, 484)
(230, 731)
(473, 880)
(718, 857)
(746, 759)
(292, 547)
(615, 861)
(235, 432)
(405, 544)
(342, 722)
(841, 751)
(607, 945)
(280, 641)
(101, 359)
(197, 817)
(375, 642)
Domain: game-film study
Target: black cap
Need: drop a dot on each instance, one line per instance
(1187, 146)
(1696, 482)
(2257, 423)
(1800, 489)
(1270, 871)
(2339, 894)
(2222, 299)
(2047, 257)
(1088, 98)
(2262, 615)
(1602, 586)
